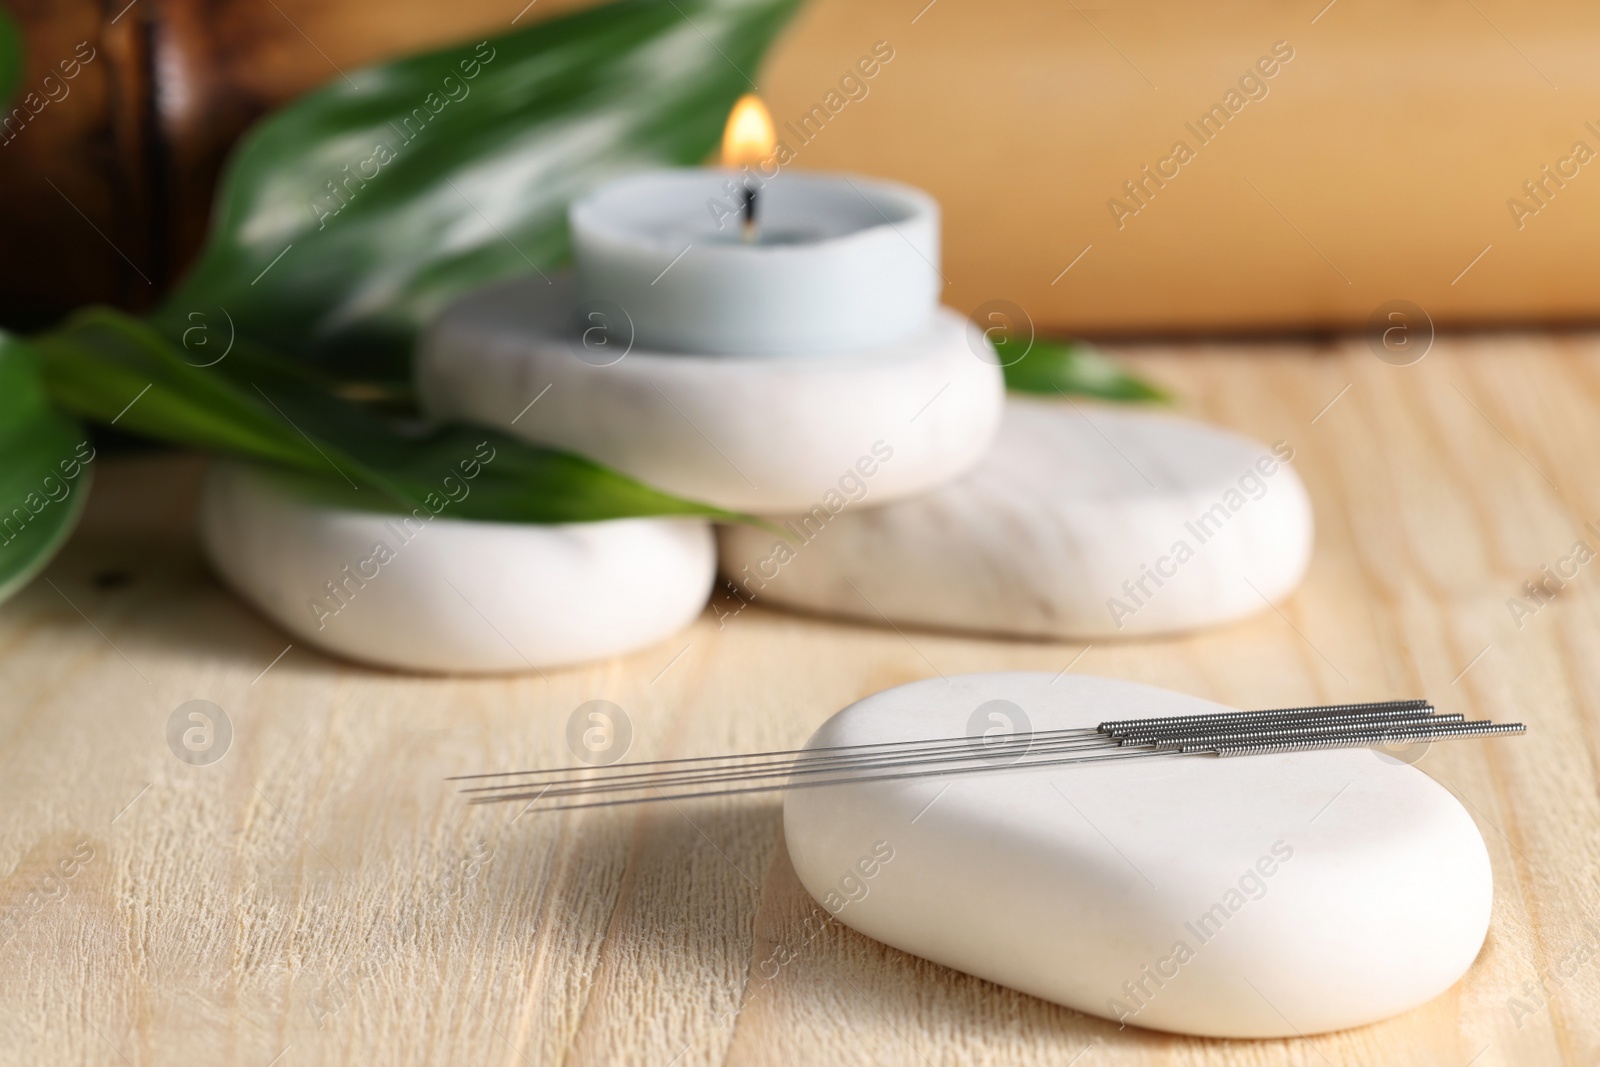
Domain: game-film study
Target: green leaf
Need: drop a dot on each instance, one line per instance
(1074, 368)
(111, 368)
(44, 478)
(461, 164)
(13, 57)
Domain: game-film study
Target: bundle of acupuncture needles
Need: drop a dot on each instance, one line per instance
(1234, 733)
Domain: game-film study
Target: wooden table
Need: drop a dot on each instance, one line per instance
(318, 895)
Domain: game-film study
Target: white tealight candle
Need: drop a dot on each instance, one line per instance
(823, 262)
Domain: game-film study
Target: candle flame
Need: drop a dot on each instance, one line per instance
(749, 136)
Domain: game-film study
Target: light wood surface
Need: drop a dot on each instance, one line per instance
(319, 896)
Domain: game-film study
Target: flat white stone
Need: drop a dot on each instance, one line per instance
(1082, 521)
(453, 595)
(1259, 896)
(757, 433)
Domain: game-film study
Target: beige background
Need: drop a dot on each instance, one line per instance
(1378, 167)
(320, 896)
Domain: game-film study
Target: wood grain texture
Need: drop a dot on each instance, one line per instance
(318, 895)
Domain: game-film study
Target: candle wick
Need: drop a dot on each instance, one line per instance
(747, 211)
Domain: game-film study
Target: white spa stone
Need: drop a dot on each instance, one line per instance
(1342, 887)
(1052, 534)
(757, 434)
(457, 596)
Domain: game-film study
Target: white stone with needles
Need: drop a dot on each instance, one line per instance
(759, 433)
(1082, 521)
(1267, 896)
(450, 595)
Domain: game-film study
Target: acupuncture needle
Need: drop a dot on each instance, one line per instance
(1286, 729)
(967, 743)
(970, 752)
(962, 747)
(1114, 726)
(1021, 758)
(1361, 740)
(1017, 749)
(1103, 728)
(1096, 733)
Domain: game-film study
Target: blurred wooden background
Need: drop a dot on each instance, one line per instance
(1378, 165)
